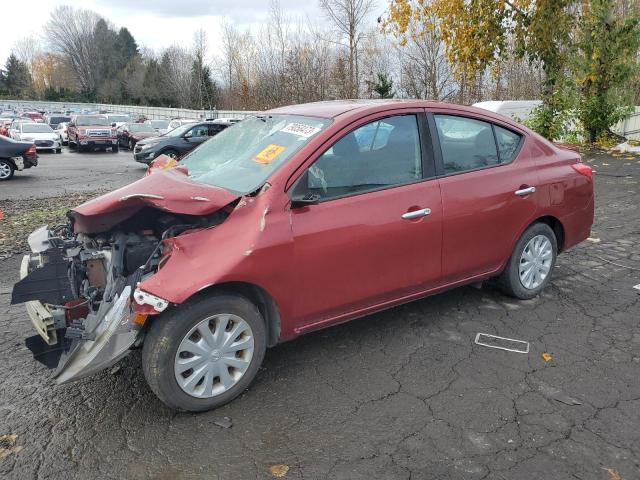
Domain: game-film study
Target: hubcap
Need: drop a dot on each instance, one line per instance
(535, 262)
(5, 170)
(214, 355)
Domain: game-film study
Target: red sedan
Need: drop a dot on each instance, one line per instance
(295, 220)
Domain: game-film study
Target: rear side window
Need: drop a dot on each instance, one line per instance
(466, 143)
(508, 143)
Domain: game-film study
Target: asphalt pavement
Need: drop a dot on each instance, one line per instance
(403, 394)
(72, 172)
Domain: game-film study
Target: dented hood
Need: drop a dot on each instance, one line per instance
(167, 190)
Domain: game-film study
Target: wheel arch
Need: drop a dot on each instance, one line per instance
(257, 295)
(556, 225)
(10, 160)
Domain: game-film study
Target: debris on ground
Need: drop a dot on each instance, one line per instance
(8, 446)
(279, 471)
(24, 216)
(224, 422)
(626, 147)
(502, 343)
(546, 356)
(593, 240)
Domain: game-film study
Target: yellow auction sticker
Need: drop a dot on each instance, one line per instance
(267, 155)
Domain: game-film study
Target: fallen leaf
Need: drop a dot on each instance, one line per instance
(279, 471)
(613, 474)
(593, 240)
(546, 356)
(8, 445)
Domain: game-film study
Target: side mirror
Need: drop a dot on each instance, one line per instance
(113, 124)
(305, 200)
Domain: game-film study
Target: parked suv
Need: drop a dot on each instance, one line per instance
(88, 132)
(178, 141)
(293, 221)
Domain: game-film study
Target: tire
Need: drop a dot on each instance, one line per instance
(131, 145)
(164, 348)
(71, 144)
(79, 148)
(115, 149)
(58, 150)
(6, 169)
(512, 282)
(170, 152)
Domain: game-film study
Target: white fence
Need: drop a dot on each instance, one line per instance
(630, 126)
(149, 112)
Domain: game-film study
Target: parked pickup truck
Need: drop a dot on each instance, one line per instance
(90, 132)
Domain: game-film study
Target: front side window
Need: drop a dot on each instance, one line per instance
(199, 131)
(466, 143)
(377, 155)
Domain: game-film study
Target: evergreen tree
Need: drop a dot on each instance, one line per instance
(384, 86)
(17, 78)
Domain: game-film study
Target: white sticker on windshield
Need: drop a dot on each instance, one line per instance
(300, 129)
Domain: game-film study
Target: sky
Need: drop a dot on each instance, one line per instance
(153, 23)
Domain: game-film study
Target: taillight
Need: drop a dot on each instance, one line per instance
(583, 169)
(31, 150)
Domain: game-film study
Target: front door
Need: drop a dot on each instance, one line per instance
(375, 234)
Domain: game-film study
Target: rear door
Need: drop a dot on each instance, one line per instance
(375, 235)
(488, 184)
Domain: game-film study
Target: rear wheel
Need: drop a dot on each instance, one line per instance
(58, 150)
(204, 353)
(6, 169)
(530, 267)
(131, 144)
(115, 148)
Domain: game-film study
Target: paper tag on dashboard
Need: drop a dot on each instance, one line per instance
(267, 155)
(300, 129)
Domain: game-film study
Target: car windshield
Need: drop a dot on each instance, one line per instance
(91, 120)
(141, 128)
(119, 118)
(160, 123)
(36, 128)
(243, 157)
(58, 119)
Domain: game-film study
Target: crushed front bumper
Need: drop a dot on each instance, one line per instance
(106, 335)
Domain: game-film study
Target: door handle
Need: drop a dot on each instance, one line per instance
(416, 213)
(525, 191)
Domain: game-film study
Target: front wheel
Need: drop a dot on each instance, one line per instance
(115, 149)
(530, 267)
(204, 353)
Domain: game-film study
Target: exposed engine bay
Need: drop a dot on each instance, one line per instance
(81, 290)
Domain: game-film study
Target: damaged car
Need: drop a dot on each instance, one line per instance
(291, 221)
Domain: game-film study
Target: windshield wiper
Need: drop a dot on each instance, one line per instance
(264, 117)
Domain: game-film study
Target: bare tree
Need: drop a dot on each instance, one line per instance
(348, 16)
(70, 32)
(27, 49)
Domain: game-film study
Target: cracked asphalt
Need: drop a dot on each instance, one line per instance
(397, 395)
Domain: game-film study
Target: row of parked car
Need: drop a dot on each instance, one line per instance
(84, 131)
